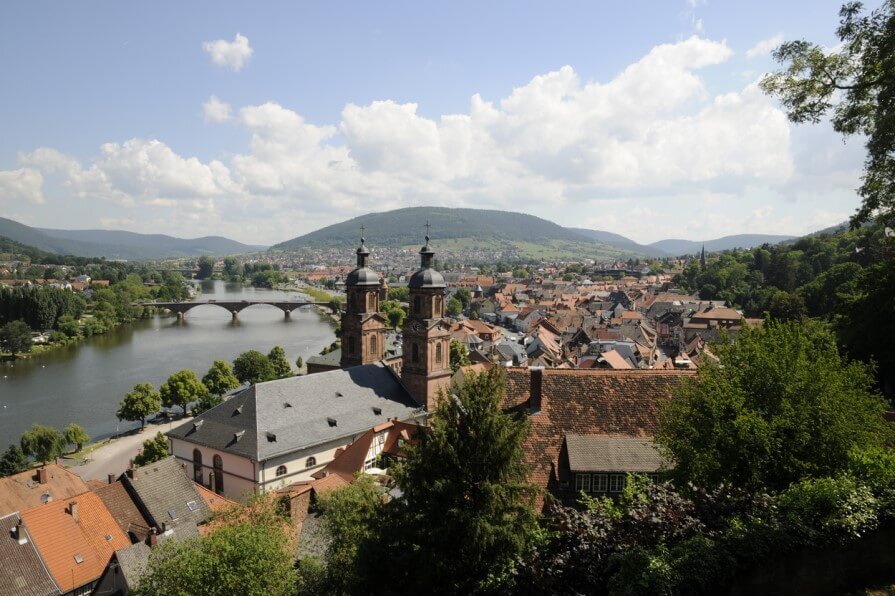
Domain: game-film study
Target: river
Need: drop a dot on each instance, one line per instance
(84, 383)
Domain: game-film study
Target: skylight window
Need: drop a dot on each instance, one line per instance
(377, 411)
(331, 421)
(172, 514)
(192, 505)
(78, 558)
(108, 538)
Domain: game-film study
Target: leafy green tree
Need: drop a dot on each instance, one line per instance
(466, 514)
(454, 307)
(206, 267)
(300, 363)
(232, 269)
(181, 388)
(394, 312)
(154, 449)
(69, 326)
(856, 82)
(277, 358)
(206, 402)
(43, 443)
(781, 405)
(75, 435)
(249, 554)
(13, 461)
(15, 337)
(786, 306)
(459, 355)
(253, 367)
(399, 294)
(220, 379)
(142, 401)
(464, 296)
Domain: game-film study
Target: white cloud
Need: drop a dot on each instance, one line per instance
(649, 150)
(23, 183)
(229, 54)
(216, 110)
(765, 46)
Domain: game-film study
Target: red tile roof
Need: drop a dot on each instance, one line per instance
(61, 541)
(23, 490)
(586, 402)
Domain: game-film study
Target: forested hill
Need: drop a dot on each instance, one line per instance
(114, 244)
(846, 278)
(405, 227)
(690, 247)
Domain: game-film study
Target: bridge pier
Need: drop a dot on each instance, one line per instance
(288, 315)
(235, 314)
(179, 316)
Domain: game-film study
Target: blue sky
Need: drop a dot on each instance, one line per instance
(640, 118)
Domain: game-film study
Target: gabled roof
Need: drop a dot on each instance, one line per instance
(605, 453)
(23, 490)
(214, 501)
(62, 542)
(122, 507)
(283, 416)
(22, 571)
(586, 402)
(166, 495)
(351, 461)
(615, 360)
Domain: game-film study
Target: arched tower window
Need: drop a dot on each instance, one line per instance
(281, 471)
(417, 306)
(218, 474)
(197, 466)
(438, 353)
(372, 301)
(438, 312)
(374, 347)
(415, 351)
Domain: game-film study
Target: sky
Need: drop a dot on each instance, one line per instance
(265, 121)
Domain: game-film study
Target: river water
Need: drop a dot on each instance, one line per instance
(84, 383)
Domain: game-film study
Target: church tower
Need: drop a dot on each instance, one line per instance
(426, 366)
(363, 326)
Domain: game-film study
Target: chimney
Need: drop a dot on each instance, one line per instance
(18, 532)
(73, 509)
(43, 475)
(130, 471)
(111, 478)
(153, 537)
(536, 374)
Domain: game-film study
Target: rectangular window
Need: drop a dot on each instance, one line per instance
(368, 464)
(600, 483)
(616, 483)
(582, 482)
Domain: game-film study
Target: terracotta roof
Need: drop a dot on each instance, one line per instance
(585, 402)
(328, 483)
(22, 572)
(122, 507)
(62, 542)
(23, 490)
(214, 501)
(616, 360)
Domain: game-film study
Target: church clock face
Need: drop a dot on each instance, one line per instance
(417, 325)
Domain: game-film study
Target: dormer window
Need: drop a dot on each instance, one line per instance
(331, 421)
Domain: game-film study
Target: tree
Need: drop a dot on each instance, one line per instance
(454, 307)
(464, 296)
(13, 461)
(142, 401)
(154, 449)
(299, 363)
(459, 355)
(786, 306)
(206, 402)
(75, 435)
(232, 269)
(248, 553)
(15, 337)
(220, 379)
(69, 325)
(466, 512)
(181, 388)
(781, 405)
(857, 83)
(277, 358)
(43, 443)
(206, 267)
(253, 367)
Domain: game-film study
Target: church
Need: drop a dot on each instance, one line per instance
(280, 432)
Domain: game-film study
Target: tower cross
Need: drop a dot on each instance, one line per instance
(427, 231)
(362, 228)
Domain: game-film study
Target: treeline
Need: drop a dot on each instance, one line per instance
(40, 308)
(846, 279)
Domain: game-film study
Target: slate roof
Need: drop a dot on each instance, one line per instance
(603, 453)
(585, 402)
(22, 572)
(164, 493)
(21, 491)
(122, 507)
(132, 561)
(333, 358)
(278, 417)
(61, 541)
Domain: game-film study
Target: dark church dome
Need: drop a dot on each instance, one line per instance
(362, 276)
(426, 278)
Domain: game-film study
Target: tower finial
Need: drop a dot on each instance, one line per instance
(427, 231)
(362, 228)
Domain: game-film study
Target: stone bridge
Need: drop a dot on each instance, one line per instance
(287, 306)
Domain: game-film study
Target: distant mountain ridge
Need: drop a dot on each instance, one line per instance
(689, 247)
(118, 244)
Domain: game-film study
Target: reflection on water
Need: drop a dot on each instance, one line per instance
(83, 383)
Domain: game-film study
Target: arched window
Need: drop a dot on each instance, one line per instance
(281, 471)
(374, 347)
(197, 466)
(438, 353)
(351, 344)
(417, 305)
(415, 351)
(218, 464)
(438, 306)
(372, 301)
(310, 462)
